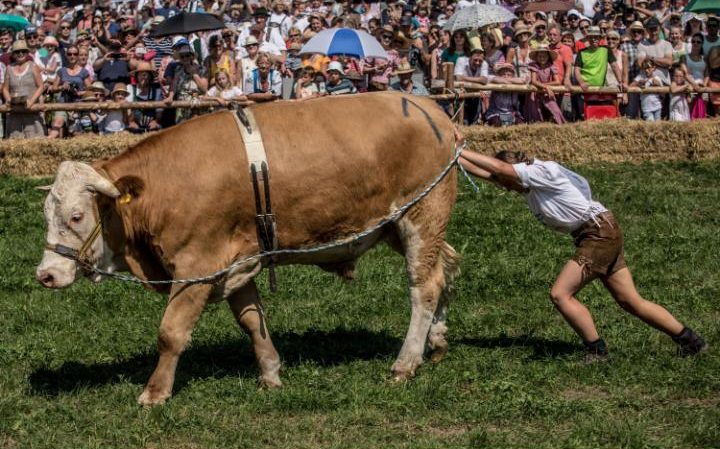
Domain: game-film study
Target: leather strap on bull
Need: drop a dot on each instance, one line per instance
(260, 178)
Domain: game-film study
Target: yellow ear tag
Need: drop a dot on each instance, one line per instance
(125, 199)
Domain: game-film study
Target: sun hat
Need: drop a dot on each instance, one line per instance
(19, 46)
(119, 87)
(261, 11)
(354, 75)
(522, 29)
(543, 48)
(539, 23)
(574, 12)
(99, 86)
(157, 20)
(251, 40)
(50, 40)
(88, 96)
(652, 22)
(636, 25)
(143, 66)
(613, 33)
(336, 66)
(403, 68)
(387, 29)
(501, 66)
(476, 49)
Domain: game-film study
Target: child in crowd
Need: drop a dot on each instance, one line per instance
(650, 103)
(50, 63)
(306, 87)
(504, 109)
(679, 107)
(116, 119)
(223, 90)
(543, 74)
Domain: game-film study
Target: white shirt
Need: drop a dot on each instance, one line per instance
(559, 198)
(462, 68)
(229, 94)
(275, 83)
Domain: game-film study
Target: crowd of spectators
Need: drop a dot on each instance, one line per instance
(104, 51)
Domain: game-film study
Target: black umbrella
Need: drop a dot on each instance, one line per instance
(188, 22)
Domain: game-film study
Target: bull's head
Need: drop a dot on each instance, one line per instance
(72, 215)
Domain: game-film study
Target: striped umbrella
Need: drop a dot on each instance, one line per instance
(477, 16)
(344, 42)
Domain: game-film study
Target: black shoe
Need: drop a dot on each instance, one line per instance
(596, 351)
(689, 343)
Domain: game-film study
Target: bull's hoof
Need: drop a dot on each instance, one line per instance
(270, 382)
(438, 354)
(148, 399)
(402, 373)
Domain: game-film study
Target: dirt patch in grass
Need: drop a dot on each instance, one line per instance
(585, 393)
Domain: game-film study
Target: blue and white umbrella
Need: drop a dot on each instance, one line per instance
(345, 42)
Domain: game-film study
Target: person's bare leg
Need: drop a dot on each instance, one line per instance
(568, 283)
(621, 286)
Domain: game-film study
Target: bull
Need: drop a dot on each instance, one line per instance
(179, 204)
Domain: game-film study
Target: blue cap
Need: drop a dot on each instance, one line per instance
(31, 30)
(179, 42)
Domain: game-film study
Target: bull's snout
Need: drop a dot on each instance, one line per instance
(47, 279)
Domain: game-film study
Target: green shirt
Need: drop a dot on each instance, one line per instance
(593, 64)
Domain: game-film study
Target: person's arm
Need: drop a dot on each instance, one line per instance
(618, 75)
(487, 167)
(37, 76)
(567, 80)
(581, 82)
(677, 88)
(626, 69)
(6, 87)
(97, 65)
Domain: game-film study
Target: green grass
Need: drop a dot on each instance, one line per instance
(72, 362)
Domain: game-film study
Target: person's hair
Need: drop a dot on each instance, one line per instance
(466, 43)
(675, 68)
(489, 36)
(307, 70)
(214, 40)
(222, 72)
(647, 64)
(513, 157)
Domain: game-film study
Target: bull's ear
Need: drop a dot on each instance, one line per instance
(44, 188)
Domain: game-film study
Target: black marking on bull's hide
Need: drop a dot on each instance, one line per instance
(406, 113)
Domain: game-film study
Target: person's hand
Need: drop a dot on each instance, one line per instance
(168, 101)
(549, 91)
(624, 99)
(221, 101)
(133, 126)
(66, 86)
(29, 103)
(583, 85)
(623, 87)
(191, 69)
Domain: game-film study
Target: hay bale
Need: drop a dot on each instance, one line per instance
(604, 141)
(41, 156)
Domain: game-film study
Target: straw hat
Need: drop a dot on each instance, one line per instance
(251, 40)
(119, 87)
(403, 69)
(522, 29)
(543, 48)
(19, 46)
(354, 75)
(388, 29)
(50, 40)
(636, 25)
(99, 86)
(88, 96)
(144, 66)
(501, 66)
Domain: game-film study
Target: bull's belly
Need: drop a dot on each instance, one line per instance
(346, 252)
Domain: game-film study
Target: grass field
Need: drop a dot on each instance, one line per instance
(72, 362)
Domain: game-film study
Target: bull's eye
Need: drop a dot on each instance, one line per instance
(76, 217)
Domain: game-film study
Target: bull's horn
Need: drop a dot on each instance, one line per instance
(103, 185)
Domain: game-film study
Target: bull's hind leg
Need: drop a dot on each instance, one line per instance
(425, 254)
(248, 312)
(184, 308)
(437, 340)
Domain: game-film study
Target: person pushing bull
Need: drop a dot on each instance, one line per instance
(562, 200)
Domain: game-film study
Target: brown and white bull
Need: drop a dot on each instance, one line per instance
(180, 204)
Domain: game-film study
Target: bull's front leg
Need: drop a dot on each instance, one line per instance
(184, 308)
(248, 312)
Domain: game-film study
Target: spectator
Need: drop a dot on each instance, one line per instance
(64, 37)
(613, 40)
(541, 105)
(249, 62)
(6, 41)
(70, 84)
(473, 70)
(380, 69)
(22, 88)
(113, 67)
(85, 122)
(116, 120)
(144, 89)
(711, 38)
(306, 85)
(693, 65)
(504, 109)
(223, 90)
(693, 25)
(459, 46)
(188, 82)
(712, 78)
(336, 83)
(405, 82)
(592, 62)
(564, 65)
(519, 56)
(651, 103)
(539, 36)
(631, 49)
(219, 59)
(679, 107)
(51, 62)
(656, 50)
(493, 55)
(436, 55)
(263, 83)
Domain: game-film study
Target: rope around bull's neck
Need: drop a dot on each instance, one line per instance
(394, 216)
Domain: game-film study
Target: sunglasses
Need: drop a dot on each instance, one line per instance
(697, 42)
(613, 38)
(20, 52)
(64, 28)
(74, 53)
(584, 28)
(540, 27)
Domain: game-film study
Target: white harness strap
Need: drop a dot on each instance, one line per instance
(253, 141)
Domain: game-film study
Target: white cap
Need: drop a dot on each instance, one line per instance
(574, 12)
(334, 65)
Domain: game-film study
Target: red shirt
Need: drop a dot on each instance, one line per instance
(564, 54)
